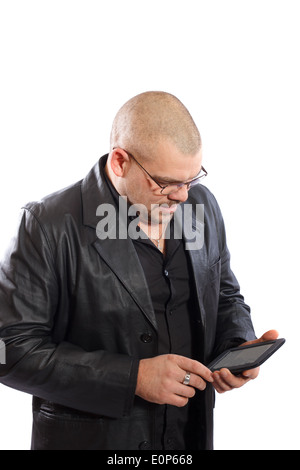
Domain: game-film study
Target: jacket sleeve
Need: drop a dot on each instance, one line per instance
(98, 382)
(234, 324)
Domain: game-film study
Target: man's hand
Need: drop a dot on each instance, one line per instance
(160, 379)
(225, 381)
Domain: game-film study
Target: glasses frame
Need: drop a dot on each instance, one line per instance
(162, 188)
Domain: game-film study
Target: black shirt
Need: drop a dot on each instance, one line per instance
(169, 286)
(168, 279)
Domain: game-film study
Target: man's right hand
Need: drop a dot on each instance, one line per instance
(160, 379)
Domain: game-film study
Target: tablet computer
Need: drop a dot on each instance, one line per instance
(245, 357)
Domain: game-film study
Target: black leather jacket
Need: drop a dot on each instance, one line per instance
(73, 312)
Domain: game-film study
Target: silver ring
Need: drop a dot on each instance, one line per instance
(187, 378)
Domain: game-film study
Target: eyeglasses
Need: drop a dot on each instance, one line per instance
(172, 187)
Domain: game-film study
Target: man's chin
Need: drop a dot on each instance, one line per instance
(162, 214)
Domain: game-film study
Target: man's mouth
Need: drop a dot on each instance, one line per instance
(166, 208)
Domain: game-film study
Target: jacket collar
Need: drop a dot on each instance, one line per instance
(94, 192)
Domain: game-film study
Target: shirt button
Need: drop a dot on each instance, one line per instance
(145, 445)
(146, 337)
(166, 273)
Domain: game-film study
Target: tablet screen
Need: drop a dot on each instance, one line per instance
(242, 357)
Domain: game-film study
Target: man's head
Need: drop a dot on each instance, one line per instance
(154, 139)
(150, 118)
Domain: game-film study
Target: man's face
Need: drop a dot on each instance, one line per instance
(168, 166)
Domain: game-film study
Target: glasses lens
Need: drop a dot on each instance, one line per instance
(171, 188)
(195, 182)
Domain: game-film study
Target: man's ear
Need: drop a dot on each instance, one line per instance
(119, 162)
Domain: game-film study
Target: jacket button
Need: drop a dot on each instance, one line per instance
(145, 445)
(146, 337)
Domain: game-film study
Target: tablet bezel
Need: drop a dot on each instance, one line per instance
(275, 345)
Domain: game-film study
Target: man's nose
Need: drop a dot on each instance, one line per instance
(180, 195)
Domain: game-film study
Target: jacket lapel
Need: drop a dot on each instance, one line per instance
(121, 257)
(119, 254)
(193, 229)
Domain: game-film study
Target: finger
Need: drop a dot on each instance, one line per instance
(219, 384)
(197, 382)
(252, 373)
(194, 367)
(226, 381)
(193, 381)
(185, 391)
(233, 381)
(177, 400)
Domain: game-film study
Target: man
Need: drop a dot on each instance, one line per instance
(109, 320)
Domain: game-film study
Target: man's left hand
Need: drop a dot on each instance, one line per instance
(224, 380)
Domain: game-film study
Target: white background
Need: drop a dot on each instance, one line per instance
(67, 67)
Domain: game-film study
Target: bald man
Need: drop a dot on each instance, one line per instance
(117, 292)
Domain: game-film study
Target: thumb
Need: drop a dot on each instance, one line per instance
(270, 335)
